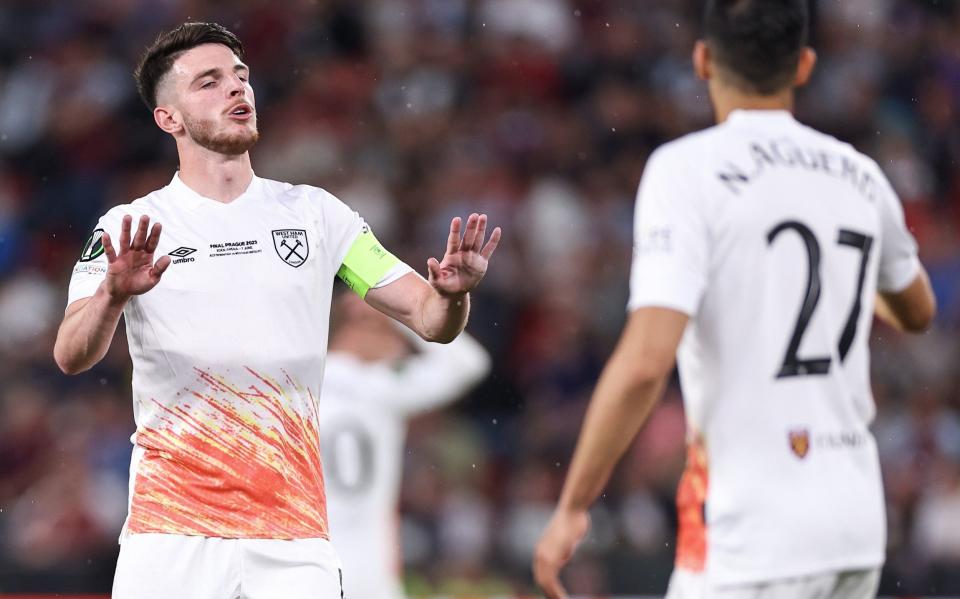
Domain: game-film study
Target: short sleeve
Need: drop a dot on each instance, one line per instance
(358, 258)
(91, 267)
(899, 264)
(670, 250)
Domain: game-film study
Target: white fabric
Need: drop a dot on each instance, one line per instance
(228, 354)
(363, 419)
(706, 245)
(161, 566)
(856, 584)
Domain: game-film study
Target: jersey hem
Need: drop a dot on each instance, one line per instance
(904, 273)
(843, 565)
(688, 308)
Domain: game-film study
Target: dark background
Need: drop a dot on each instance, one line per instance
(539, 112)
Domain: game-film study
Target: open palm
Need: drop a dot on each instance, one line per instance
(131, 270)
(465, 261)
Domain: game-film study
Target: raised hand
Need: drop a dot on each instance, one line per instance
(565, 530)
(465, 261)
(131, 269)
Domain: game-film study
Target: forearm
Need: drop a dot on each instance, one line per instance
(619, 407)
(85, 335)
(442, 318)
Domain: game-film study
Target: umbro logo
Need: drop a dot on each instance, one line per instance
(180, 254)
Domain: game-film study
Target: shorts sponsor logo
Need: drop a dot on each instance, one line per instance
(180, 255)
(291, 245)
(800, 442)
(94, 247)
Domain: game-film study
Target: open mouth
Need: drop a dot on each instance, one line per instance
(241, 112)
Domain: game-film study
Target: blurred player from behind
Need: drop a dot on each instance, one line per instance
(760, 248)
(377, 377)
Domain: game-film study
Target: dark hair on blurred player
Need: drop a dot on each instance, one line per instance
(756, 43)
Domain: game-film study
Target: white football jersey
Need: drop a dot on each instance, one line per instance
(228, 354)
(774, 239)
(363, 420)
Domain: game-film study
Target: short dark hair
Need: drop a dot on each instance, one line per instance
(160, 56)
(757, 42)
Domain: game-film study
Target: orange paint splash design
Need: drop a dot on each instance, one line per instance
(691, 496)
(234, 464)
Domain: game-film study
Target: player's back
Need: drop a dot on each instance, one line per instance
(775, 238)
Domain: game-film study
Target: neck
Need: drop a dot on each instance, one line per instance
(216, 176)
(726, 99)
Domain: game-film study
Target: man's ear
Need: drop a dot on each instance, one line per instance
(805, 64)
(701, 61)
(168, 119)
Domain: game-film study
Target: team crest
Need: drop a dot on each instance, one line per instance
(291, 246)
(800, 442)
(93, 249)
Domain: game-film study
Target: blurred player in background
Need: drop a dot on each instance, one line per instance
(377, 377)
(760, 247)
(228, 333)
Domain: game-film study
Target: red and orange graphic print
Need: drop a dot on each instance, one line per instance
(232, 461)
(691, 496)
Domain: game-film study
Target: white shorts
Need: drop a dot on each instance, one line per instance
(853, 584)
(161, 566)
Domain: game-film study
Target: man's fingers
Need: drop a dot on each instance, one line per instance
(470, 232)
(159, 267)
(548, 579)
(140, 237)
(108, 248)
(453, 240)
(154, 239)
(125, 234)
(433, 268)
(481, 233)
(553, 589)
(488, 249)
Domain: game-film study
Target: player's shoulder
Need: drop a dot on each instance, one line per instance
(681, 152)
(295, 192)
(839, 147)
(151, 204)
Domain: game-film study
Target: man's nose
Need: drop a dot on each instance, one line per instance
(236, 86)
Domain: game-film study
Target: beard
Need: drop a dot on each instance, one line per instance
(203, 132)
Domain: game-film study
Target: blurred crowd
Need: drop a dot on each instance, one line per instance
(539, 112)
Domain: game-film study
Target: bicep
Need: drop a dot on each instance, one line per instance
(648, 345)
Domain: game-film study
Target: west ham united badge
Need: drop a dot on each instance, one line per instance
(800, 442)
(291, 246)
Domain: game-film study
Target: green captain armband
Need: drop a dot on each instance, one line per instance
(365, 264)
